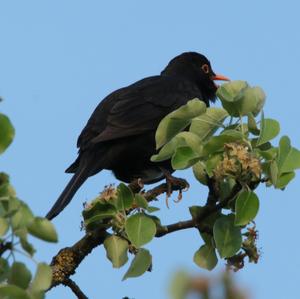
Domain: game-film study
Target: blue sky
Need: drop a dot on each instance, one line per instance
(60, 58)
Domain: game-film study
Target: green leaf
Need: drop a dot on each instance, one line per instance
(274, 172)
(246, 207)
(13, 292)
(284, 179)
(125, 197)
(3, 226)
(207, 124)
(288, 157)
(28, 247)
(167, 150)
(177, 120)
(140, 201)
(4, 269)
(206, 257)
(152, 209)
(23, 217)
(42, 279)
(211, 164)
(228, 237)
(116, 250)
(19, 275)
(200, 173)
(101, 210)
(7, 132)
(43, 229)
(216, 143)
(269, 129)
(226, 187)
(184, 157)
(239, 99)
(140, 264)
(180, 285)
(6, 189)
(140, 229)
(253, 101)
(181, 139)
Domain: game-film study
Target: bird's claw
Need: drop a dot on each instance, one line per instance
(174, 183)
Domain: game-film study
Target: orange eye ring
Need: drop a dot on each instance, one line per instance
(205, 68)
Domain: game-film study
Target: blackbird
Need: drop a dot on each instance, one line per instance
(120, 134)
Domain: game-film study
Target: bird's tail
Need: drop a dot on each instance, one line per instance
(66, 196)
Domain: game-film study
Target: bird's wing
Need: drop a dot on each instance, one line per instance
(136, 109)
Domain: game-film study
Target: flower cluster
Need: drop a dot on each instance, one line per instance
(239, 163)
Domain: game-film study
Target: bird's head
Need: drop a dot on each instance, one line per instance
(195, 67)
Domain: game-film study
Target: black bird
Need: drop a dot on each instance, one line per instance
(120, 134)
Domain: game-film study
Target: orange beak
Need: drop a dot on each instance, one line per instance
(220, 78)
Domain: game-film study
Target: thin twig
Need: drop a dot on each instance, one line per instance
(75, 288)
(208, 210)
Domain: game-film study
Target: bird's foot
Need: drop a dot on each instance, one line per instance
(174, 184)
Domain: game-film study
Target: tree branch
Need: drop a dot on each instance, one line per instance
(208, 210)
(75, 288)
(65, 263)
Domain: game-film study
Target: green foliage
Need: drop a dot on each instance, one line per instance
(230, 151)
(177, 120)
(140, 229)
(239, 99)
(246, 207)
(7, 132)
(225, 150)
(17, 222)
(116, 250)
(205, 257)
(140, 264)
(43, 229)
(228, 237)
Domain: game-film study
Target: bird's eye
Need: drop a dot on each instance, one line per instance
(205, 68)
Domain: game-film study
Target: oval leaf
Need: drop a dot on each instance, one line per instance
(43, 229)
(207, 124)
(116, 250)
(246, 207)
(140, 229)
(269, 129)
(3, 226)
(42, 279)
(125, 197)
(184, 157)
(19, 275)
(140, 264)
(7, 132)
(140, 201)
(228, 237)
(206, 257)
(177, 120)
(200, 173)
(13, 292)
(288, 157)
(284, 179)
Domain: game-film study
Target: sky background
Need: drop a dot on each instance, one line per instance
(60, 58)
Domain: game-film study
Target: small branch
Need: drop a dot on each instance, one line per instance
(208, 210)
(4, 246)
(75, 288)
